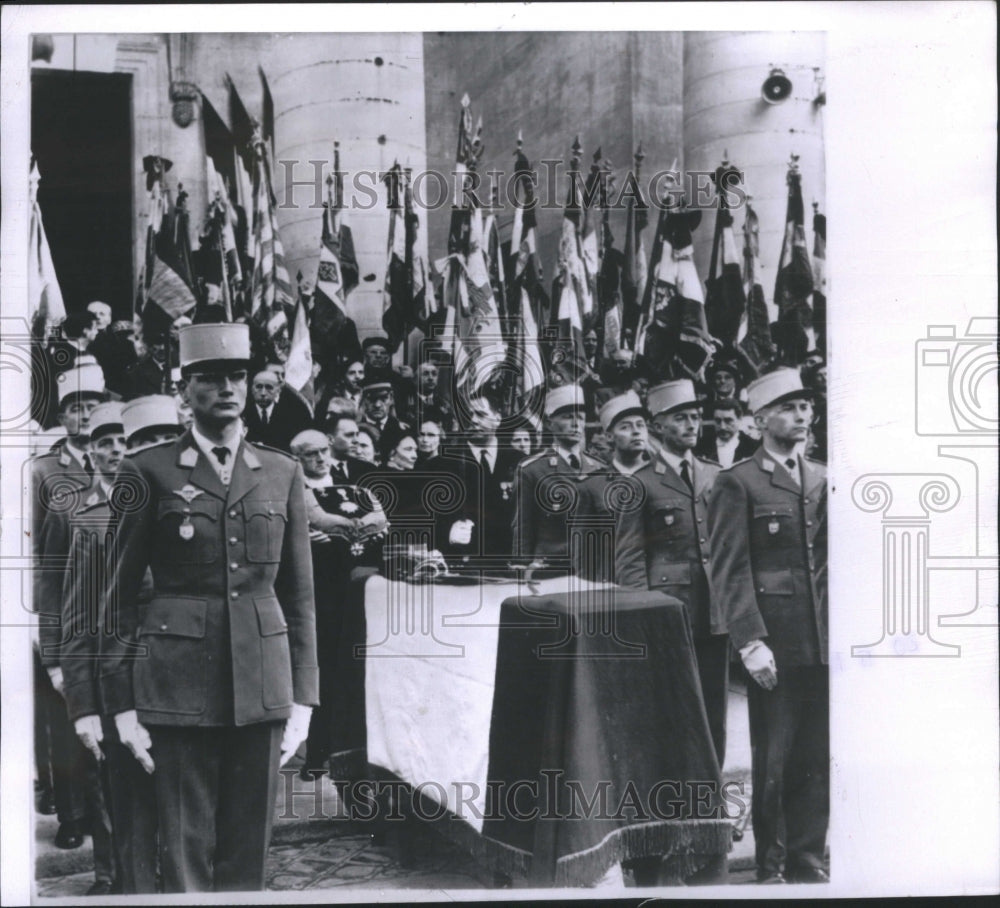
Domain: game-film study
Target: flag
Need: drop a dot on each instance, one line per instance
(591, 236)
(726, 302)
(167, 284)
(334, 334)
(298, 368)
(755, 328)
(218, 258)
(673, 334)
(819, 278)
(528, 303)
(633, 276)
(244, 164)
(794, 283)
(396, 301)
(44, 296)
(472, 317)
(272, 304)
(572, 288)
(266, 110)
(494, 259)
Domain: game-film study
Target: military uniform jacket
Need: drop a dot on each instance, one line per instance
(59, 485)
(230, 630)
(768, 566)
(662, 540)
(546, 494)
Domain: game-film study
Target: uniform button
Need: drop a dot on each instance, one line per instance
(232, 513)
(809, 545)
(187, 510)
(761, 590)
(805, 500)
(701, 520)
(234, 566)
(270, 510)
(701, 539)
(233, 540)
(704, 560)
(234, 595)
(663, 580)
(809, 523)
(163, 627)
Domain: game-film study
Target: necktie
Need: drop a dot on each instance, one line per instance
(793, 468)
(574, 462)
(263, 416)
(339, 472)
(686, 475)
(485, 462)
(88, 466)
(222, 454)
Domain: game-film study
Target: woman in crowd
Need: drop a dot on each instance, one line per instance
(429, 440)
(367, 443)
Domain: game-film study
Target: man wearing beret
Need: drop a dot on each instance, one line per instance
(546, 485)
(663, 544)
(222, 695)
(767, 522)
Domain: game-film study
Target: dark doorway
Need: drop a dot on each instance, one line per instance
(81, 136)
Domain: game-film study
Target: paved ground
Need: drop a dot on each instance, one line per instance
(315, 848)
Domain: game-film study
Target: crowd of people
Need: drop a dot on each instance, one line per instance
(232, 518)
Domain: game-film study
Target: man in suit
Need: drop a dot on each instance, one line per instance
(546, 485)
(60, 481)
(341, 428)
(724, 443)
(767, 520)
(378, 368)
(224, 693)
(378, 411)
(347, 526)
(483, 474)
(273, 418)
(432, 401)
(663, 544)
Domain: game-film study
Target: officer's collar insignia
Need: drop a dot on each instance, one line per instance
(767, 465)
(189, 457)
(64, 458)
(660, 467)
(250, 458)
(92, 500)
(188, 493)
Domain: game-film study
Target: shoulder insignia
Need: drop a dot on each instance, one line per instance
(707, 461)
(659, 467)
(531, 458)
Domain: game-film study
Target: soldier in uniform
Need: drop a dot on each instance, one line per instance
(59, 480)
(663, 544)
(546, 484)
(767, 519)
(224, 692)
(603, 493)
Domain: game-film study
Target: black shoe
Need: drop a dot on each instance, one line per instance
(45, 802)
(101, 887)
(771, 878)
(69, 835)
(808, 875)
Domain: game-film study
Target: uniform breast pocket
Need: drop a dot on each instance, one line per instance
(265, 529)
(671, 517)
(773, 523)
(187, 532)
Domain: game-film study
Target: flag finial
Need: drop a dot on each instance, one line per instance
(638, 157)
(520, 142)
(466, 101)
(576, 151)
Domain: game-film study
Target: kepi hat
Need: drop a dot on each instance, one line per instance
(671, 396)
(226, 342)
(565, 397)
(155, 411)
(86, 380)
(774, 388)
(626, 404)
(105, 418)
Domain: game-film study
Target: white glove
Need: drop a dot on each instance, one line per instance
(759, 661)
(296, 729)
(90, 733)
(135, 737)
(461, 532)
(56, 676)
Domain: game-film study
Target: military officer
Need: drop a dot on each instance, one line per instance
(545, 485)
(131, 795)
(604, 492)
(663, 545)
(60, 479)
(767, 521)
(224, 692)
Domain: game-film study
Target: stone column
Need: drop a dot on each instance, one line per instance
(365, 91)
(724, 112)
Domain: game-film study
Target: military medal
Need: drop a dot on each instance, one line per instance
(357, 548)
(505, 489)
(773, 526)
(348, 507)
(187, 529)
